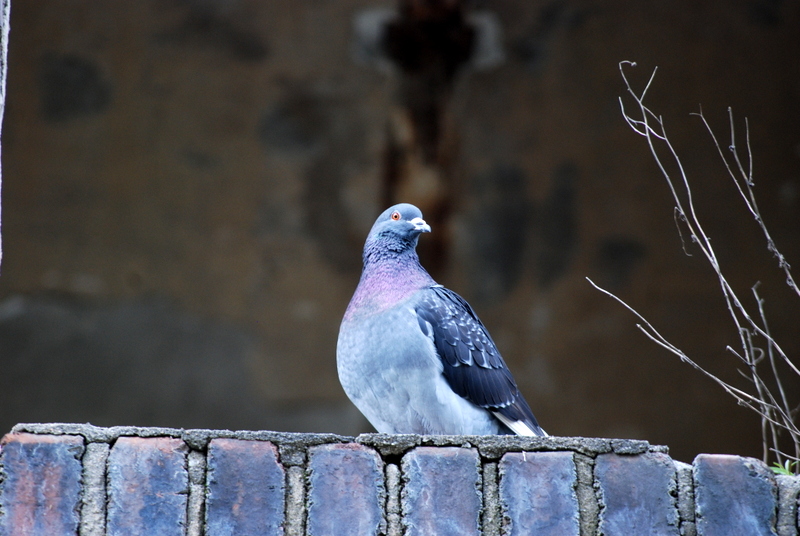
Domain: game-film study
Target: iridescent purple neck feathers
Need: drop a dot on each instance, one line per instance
(388, 278)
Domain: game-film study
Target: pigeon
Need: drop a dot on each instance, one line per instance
(412, 355)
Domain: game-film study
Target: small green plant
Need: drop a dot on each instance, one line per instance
(788, 468)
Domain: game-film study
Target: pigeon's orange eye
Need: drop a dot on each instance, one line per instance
(395, 215)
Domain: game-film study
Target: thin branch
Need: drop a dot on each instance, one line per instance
(775, 411)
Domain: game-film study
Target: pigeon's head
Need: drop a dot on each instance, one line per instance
(398, 228)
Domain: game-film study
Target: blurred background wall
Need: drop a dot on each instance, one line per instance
(188, 184)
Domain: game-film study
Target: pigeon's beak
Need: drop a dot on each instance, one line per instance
(420, 225)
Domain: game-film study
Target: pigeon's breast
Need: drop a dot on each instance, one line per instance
(388, 337)
(381, 360)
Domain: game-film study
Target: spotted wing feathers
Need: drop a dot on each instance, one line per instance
(472, 365)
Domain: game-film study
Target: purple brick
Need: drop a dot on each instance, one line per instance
(40, 484)
(638, 494)
(734, 495)
(537, 491)
(441, 494)
(147, 487)
(245, 489)
(346, 492)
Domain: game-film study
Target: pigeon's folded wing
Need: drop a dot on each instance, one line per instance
(471, 363)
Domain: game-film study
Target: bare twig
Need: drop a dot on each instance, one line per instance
(776, 412)
(744, 184)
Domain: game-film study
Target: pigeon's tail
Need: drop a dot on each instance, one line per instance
(519, 427)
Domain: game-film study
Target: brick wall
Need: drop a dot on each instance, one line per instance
(60, 479)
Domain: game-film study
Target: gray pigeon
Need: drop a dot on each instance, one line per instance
(412, 355)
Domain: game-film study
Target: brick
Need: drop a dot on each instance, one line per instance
(441, 494)
(346, 491)
(637, 494)
(40, 484)
(245, 488)
(734, 495)
(537, 493)
(147, 487)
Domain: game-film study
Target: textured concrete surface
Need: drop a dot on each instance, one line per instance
(686, 498)
(588, 505)
(93, 509)
(40, 484)
(491, 518)
(295, 501)
(493, 447)
(394, 514)
(195, 511)
(788, 493)
(734, 495)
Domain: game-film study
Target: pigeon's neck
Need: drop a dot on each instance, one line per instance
(388, 278)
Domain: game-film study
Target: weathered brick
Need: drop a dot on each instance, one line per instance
(245, 489)
(147, 487)
(442, 494)
(346, 491)
(734, 495)
(638, 494)
(40, 484)
(537, 493)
